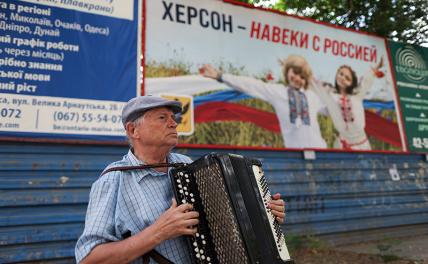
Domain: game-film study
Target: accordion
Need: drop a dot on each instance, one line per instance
(231, 195)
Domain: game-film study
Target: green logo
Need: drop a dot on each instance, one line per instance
(411, 64)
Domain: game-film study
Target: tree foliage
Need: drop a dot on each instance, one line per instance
(398, 20)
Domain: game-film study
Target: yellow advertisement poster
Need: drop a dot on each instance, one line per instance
(185, 126)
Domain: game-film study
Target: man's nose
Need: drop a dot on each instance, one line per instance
(172, 122)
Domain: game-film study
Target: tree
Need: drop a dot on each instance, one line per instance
(398, 20)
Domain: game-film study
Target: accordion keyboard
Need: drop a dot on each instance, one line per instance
(274, 225)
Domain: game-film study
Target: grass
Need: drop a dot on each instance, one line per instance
(385, 249)
(314, 244)
(172, 68)
(299, 242)
(233, 133)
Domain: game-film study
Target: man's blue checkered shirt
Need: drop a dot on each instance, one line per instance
(130, 201)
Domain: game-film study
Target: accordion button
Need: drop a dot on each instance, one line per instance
(202, 237)
(208, 259)
(192, 200)
(180, 186)
(197, 234)
(183, 201)
(198, 255)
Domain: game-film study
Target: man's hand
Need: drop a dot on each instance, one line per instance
(277, 206)
(176, 221)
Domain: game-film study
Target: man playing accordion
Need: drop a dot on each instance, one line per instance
(132, 212)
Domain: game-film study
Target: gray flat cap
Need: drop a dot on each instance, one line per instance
(135, 107)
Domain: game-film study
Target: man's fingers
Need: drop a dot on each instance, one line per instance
(279, 202)
(193, 214)
(185, 207)
(191, 222)
(279, 208)
(190, 231)
(278, 214)
(276, 196)
(174, 203)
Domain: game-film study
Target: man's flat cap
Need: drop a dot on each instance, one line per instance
(137, 106)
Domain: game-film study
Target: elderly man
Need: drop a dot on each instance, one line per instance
(133, 212)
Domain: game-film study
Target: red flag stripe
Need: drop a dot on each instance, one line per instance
(222, 111)
(382, 129)
(376, 126)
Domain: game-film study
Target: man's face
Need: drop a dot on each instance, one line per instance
(158, 128)
(295, 80)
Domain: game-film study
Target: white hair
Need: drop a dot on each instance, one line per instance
(136, 123)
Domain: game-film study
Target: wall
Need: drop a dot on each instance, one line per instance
(44, 191)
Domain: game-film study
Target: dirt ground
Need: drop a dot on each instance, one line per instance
(331, 256)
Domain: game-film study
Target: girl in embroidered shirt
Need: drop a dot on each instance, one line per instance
(344, 102)
(295, 105)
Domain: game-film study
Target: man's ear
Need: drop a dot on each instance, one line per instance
(131, 130)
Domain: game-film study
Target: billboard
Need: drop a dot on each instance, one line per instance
(261, 78)
(67, 67)
(411, 73)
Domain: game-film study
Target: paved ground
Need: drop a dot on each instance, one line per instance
(414, 248)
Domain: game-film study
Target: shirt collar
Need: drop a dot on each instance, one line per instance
(140, 174)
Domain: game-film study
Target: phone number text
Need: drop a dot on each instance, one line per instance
(76, 117)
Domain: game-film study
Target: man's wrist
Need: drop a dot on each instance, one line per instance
(156, 234)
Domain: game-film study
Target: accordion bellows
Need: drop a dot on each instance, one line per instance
(230, 193)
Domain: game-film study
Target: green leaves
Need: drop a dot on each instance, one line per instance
(399, 20)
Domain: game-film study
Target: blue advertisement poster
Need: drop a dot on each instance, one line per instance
(67, 67)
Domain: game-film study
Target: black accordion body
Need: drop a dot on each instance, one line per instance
(231, 194)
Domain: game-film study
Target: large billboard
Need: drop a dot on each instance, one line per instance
(261, 78)
(411, 73)
(67, 67)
